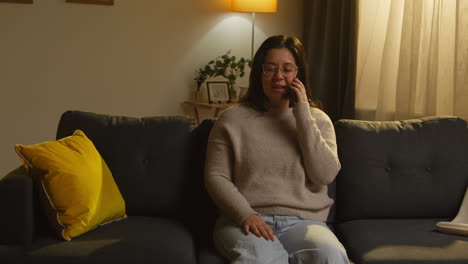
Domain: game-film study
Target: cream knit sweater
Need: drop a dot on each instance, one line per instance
(278, 162)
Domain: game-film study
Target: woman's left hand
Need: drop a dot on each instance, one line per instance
(298, 87)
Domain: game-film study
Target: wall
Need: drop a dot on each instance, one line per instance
(136, 58)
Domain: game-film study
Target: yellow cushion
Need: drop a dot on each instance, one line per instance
(76, 186)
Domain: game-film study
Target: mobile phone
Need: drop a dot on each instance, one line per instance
(292, 95)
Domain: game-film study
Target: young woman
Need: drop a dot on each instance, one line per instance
(269, 161)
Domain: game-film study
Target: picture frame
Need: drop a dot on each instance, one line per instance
(17, 1)
(95, 2)
(218, 92)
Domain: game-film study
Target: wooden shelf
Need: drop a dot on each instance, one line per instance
(217, 107)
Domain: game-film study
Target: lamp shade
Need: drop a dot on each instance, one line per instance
(262, 6)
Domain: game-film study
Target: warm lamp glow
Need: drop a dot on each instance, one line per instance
(263, 6)
(254, 6)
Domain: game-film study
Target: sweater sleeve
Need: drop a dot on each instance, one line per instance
(317, 139)
(219, 170)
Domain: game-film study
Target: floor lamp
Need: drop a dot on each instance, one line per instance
(254, 6)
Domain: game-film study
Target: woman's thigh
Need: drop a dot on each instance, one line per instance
(240, 248)
(309, 241)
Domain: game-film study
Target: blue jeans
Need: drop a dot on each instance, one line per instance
(297, 241)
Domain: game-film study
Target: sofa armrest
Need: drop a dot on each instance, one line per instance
(16, 207)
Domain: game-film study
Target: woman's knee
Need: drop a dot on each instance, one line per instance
(314, 242)
(321, 254)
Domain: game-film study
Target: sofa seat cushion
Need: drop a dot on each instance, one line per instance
(206, 251)
(136, 239)
(414, 241)
(210, 256)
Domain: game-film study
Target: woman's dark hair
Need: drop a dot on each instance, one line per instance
(255, 97)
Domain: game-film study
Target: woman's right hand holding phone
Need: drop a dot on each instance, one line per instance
(298, 87)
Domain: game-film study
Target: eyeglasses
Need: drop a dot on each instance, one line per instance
(269, 70)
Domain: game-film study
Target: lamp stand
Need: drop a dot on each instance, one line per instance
(253, 36)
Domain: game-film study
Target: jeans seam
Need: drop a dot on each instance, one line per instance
(276, 226)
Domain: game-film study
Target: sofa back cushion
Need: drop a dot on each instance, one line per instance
(205, 206)
(148, 158)
(401, 169)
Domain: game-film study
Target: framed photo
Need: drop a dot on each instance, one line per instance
(96, 2)
(218, 92)
(17, 1)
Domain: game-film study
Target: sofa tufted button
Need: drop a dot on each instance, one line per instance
(388, 169)
(428, 169)
(145, 161)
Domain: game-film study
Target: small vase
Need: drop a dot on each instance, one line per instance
(198, 96)
(242, 91)
(232, 92)
(199, 84)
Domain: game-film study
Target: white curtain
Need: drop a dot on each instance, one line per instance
(412, 59)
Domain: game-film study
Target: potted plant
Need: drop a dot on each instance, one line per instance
(227, 66)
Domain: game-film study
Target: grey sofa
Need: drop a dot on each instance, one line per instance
(397, 180)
